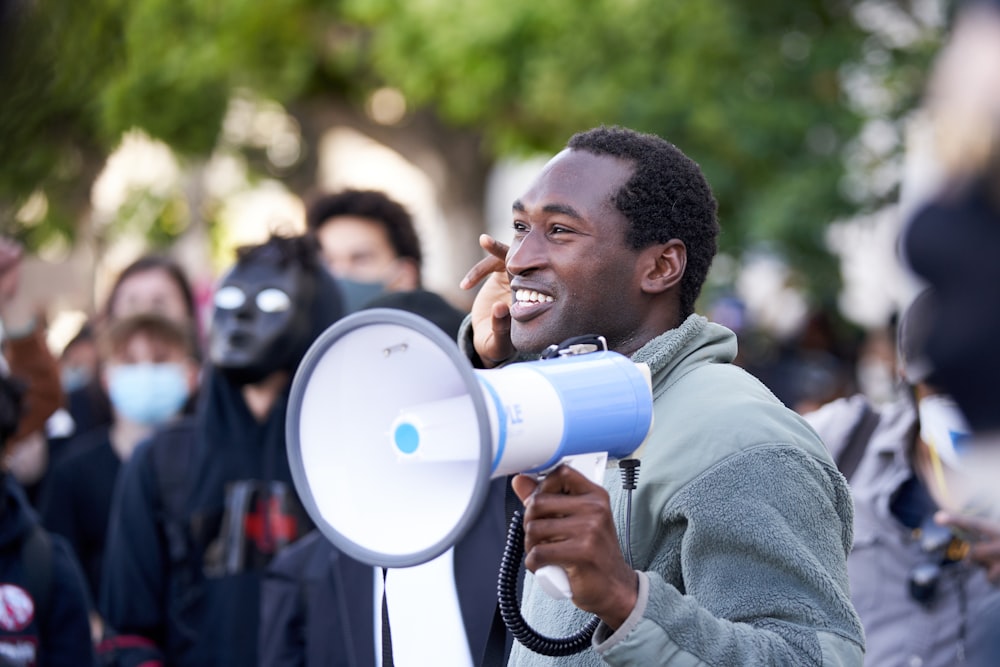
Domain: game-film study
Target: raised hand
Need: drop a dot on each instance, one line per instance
(491, 307)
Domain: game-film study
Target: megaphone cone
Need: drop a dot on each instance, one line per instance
(393, 437)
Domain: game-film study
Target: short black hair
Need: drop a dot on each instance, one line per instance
(666, 198)
(284, 251)
(375, 206)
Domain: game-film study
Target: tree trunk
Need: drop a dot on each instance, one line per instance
(452, 158)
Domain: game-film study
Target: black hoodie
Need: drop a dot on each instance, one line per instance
(61, 635)
(241, 508)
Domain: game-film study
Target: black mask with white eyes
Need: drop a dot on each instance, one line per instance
(261, 319)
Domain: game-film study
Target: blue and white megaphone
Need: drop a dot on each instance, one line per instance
(393, 437)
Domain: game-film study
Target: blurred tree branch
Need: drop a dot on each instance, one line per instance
(755, 92)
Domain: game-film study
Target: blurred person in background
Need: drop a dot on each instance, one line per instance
(26, 352)
(809, 369)
(79, 359)
(310, 586)
(43, 597)
(877, 367)
(925, 593)
(370, 244)
(953, 241)
(152, 283)
(202, 507)
(150, 372)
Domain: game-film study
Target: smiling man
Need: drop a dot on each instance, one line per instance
(741, 523)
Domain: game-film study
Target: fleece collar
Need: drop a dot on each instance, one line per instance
(696, 337)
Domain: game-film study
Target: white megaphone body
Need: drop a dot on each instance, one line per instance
(393, 436)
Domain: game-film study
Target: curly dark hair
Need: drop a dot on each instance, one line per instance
(666, 198)
(375, 206)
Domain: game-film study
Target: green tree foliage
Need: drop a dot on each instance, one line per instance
(752, 91)
(53, 64)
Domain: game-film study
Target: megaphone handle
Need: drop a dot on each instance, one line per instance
(553, 580)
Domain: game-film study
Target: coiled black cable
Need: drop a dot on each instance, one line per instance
(510, 607)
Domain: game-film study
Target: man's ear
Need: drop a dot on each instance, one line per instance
(664, 265)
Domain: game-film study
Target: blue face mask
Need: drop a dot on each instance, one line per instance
(357, 294)
(148, 393)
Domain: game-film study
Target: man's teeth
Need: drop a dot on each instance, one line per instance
(532, 296)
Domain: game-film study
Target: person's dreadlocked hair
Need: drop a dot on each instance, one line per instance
(375, 206)
(666, 198)
(301, 251)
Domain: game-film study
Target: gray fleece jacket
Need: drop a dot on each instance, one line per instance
(741, 527)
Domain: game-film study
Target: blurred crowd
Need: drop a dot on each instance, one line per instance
(148, 513)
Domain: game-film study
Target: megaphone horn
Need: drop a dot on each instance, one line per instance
(393, 437)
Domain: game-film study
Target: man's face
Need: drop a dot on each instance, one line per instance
(571, 270)
(359, 249)
(260, 317)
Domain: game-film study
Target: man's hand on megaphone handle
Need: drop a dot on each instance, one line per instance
(568, 523)
(491, 307)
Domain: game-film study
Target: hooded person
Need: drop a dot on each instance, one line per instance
(204, 505)
(320, 607)
(149, 372)
(43, 597)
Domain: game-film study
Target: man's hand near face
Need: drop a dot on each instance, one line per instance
(568, 523)
(491, 308)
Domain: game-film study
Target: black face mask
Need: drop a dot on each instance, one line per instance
(261, 320)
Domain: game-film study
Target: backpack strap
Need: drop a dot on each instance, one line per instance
(36, 558)
(850, 455)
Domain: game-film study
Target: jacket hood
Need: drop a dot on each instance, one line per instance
(240, 446)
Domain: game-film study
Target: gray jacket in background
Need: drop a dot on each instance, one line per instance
(958, 627)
